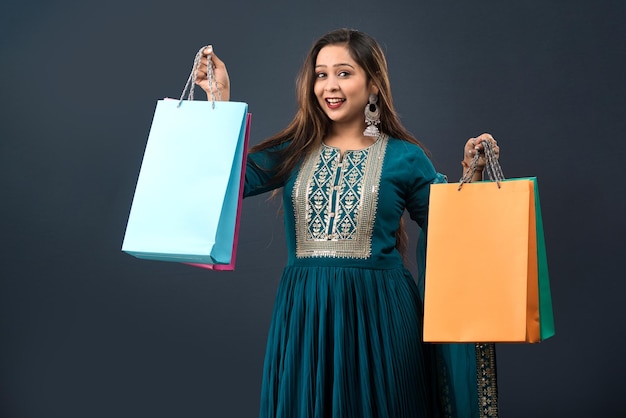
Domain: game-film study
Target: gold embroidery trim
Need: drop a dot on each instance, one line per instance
(334, 243)
(486, 380)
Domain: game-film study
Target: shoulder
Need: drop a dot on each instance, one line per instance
(408, 148)
(406, 151)
(409, 161)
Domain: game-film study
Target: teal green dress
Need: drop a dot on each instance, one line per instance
(345, 337)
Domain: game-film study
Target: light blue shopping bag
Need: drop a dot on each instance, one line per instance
(185, 203)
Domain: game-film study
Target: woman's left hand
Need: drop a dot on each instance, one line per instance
(474, 146)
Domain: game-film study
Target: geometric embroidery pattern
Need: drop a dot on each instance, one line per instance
(335, 198)
(487, 381)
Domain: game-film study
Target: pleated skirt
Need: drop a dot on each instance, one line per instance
(346, 343)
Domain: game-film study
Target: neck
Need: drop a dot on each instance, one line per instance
(346, 130)
(348, 137)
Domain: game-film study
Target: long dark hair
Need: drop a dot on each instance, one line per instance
(310, 124)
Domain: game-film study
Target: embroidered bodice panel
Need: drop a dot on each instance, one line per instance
(345, 211)
(335, 198)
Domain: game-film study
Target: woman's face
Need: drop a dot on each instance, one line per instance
(341, 85)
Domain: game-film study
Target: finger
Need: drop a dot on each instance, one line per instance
(469, 147)
(200, 74)
(217, 63)
(486, 137)
(207, 50)
(204, 63)
(207, 54)
(472, 151)
(483, 137)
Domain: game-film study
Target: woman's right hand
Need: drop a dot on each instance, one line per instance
(221, 75)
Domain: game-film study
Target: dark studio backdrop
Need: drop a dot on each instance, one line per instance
(88, 331)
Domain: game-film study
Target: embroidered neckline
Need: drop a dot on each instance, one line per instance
(325, 145)
(335, 201)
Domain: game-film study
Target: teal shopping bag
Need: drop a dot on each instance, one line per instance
(187, 194)
(546, 315)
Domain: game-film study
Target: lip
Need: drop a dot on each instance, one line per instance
(334, 102)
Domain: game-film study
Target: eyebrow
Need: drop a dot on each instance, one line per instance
(336, 65)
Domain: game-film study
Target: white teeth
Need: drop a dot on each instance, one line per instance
(333, 101)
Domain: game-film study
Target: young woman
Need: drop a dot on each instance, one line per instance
(345, 338)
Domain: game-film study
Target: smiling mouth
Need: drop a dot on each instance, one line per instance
(334, 103)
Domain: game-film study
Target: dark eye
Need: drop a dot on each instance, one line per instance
(320, 75)
(343, 74)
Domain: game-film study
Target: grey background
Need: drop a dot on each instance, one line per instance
(87, 331)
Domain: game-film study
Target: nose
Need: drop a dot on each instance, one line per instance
(331, 84)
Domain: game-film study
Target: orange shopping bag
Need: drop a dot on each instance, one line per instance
(501, 292)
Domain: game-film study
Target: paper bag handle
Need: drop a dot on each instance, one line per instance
(492, 165)
(191, 81)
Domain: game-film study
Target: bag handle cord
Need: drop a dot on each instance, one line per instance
(191, 81)
(492, 166)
